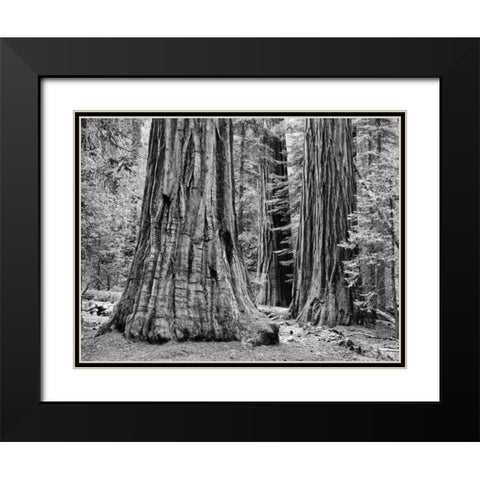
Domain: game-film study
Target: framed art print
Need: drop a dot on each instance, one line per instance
(207, 243)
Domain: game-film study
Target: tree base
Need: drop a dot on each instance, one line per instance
(255, 333)
(328, 313)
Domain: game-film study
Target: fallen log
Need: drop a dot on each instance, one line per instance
(385, 316)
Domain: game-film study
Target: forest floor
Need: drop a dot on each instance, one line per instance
(358, 343)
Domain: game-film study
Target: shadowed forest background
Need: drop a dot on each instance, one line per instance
(275, 238)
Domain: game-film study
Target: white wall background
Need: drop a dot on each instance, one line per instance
(247, 18)
(242, 18)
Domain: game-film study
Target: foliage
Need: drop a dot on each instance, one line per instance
(249, 150)
(295, 136)
(112, 165)
(373, 236)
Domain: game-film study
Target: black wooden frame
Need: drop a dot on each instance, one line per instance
(25, 418)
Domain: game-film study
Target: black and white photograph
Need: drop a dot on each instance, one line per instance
(240, 239)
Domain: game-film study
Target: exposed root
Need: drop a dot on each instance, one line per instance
(107, 327)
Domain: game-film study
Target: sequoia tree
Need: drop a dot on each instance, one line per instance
(321, 295)
(275, 256)
(187, 280)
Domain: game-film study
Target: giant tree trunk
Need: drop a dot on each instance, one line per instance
(320, 292)
(275, 257)
(187, 280)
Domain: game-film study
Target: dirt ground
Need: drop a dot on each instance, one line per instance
(297, 343)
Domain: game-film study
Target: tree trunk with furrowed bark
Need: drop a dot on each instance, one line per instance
(275, 256)
(187, 280)
(321, 296)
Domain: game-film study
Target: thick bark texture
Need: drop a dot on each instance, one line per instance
(321, 296)
(275, 257)
(187, 280)
(241, 192)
